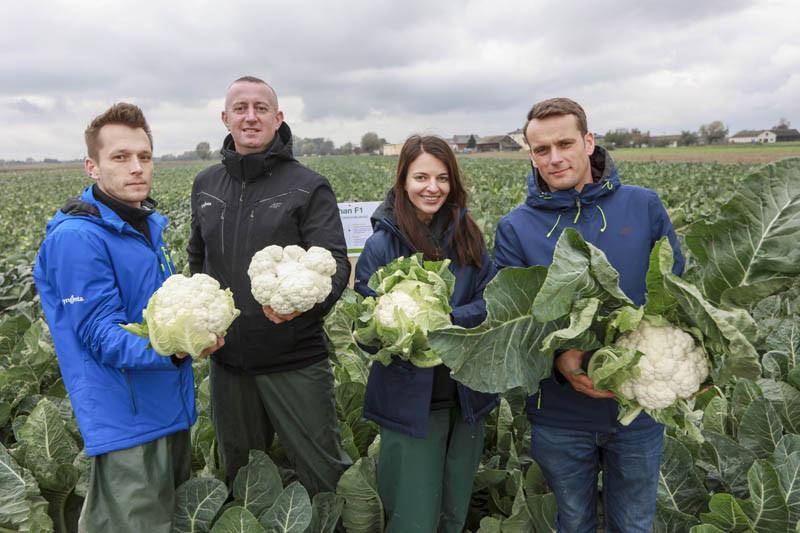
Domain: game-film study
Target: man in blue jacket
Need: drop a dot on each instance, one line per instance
(102, 258)
(574, 184)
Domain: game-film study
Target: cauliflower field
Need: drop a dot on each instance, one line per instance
(739, 471)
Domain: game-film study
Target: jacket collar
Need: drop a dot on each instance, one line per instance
(89, 208)
(606, 181)
(253, 166)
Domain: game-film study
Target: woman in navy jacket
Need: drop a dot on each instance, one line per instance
(432, 427)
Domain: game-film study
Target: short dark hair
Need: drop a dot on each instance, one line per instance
(253, 79)
(250, 79)
(122, 113)
(557, 107)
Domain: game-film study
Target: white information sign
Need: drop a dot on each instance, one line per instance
(357, 227)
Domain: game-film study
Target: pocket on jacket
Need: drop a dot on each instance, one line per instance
(271, 221)
(211, 211)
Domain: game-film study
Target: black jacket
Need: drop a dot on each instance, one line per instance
(243, 205)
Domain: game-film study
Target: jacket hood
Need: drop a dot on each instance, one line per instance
(383, 218)
(250, 166)
(604, 174)
(88, 207)
(385, 212)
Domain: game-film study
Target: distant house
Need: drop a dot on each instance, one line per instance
(783, 135)
(670, 141)
(392, 149)
(498, 143)
(765, 136)
(519, 138)
(459, 143)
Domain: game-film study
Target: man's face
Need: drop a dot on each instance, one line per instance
(252, 116)
(123, 168)
(560, 152)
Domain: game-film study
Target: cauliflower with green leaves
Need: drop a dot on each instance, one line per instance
(672, 365)
(291, 279)
(412, 299)
(186, 315)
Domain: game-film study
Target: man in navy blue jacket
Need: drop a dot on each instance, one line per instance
(102, 258)
(574, 184)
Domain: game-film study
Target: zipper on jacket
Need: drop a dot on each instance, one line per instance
(235, 246)
(183, 394)
(167, 261)
(222, 229)
(466, 408)
(539, 399)
(221, 219)
(130, 389)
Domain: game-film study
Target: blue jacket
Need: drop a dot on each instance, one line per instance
(622, 220)
(94, 273)
(398, 396)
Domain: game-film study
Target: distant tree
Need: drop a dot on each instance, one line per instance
(471, 142)
(783, 124)
(640, 138)
(688, 138)
(370, 142)
(713, 132)
(326, 148)
(203, 150)
(346, 148)
(618, 138)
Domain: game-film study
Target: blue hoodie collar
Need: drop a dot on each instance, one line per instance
(107, 216)
(607, 181)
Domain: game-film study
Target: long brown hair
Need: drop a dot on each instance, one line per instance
(466, 240)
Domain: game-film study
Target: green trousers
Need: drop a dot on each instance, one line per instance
(298, 405)
(425, 484)
(133, 490)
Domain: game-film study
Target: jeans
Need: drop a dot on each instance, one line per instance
(630, 460)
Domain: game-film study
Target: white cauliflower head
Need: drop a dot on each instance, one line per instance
(291, 279)
(673, 365)
(186, 315)
(390, 303)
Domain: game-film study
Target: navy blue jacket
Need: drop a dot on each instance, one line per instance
(398, 396)
(625, 222)
(94, 272)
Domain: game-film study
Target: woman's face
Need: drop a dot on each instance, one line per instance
(427, 185)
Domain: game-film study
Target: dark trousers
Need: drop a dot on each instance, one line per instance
(425, 484)
(133, 490)
(298, 405)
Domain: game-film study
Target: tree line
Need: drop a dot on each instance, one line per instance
(715, 132)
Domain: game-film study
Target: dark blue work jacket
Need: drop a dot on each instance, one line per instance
(398, 396)
(625, 222)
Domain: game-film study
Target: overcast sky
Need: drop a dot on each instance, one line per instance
(396, 68)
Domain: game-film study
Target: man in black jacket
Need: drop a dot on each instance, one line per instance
(273, 374)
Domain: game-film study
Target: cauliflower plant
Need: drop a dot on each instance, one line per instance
(672, 365)
(186, 315)
(291, 279)
(656, 367)
(412, 299)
